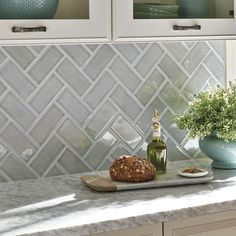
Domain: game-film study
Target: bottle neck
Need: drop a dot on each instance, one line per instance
(156, 134)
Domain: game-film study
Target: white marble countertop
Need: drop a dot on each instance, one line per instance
(65, 206)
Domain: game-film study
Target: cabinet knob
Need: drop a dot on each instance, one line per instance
(186, 27)
(16, 29)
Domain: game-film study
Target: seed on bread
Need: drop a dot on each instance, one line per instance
(132, 169)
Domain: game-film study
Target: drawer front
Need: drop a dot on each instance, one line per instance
(210, 225)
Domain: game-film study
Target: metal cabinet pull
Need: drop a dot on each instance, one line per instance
(16, 29)
(185, 27)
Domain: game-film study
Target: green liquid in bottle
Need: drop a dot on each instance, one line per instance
(156, 150)
(156, 154)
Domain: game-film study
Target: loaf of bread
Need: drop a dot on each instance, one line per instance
(132, 169)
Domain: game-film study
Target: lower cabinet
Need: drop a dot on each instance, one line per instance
(217, 224)
(149, 230)
(220, 224)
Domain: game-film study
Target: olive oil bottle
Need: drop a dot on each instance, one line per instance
(156, 150)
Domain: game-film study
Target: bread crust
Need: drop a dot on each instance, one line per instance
(132, 169)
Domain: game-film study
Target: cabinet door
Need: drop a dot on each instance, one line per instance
(161, 19)
(72, 21)
(149, 230)
(210, 225)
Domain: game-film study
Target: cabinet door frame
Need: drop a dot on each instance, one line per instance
(95, 29)
(197, 225)
(125, 28)
(230, 61)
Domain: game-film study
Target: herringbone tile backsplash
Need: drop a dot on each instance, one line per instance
(71, 109)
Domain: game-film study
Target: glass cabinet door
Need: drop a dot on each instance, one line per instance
(62, 20)
(183, 9)
(143, 19)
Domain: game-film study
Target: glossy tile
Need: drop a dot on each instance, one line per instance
(75, 108)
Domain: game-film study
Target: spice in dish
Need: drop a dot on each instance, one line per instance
(192, 170)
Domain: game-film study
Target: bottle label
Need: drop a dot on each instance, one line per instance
(156, 133)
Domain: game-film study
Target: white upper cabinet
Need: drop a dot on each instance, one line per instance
(75, 21)
(59, 21)
(178, 19)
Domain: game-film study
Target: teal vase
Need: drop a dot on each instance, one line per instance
(28, 9)
(221, 152)
(193, 8)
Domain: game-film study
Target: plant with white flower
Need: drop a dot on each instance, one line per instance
(212, 111)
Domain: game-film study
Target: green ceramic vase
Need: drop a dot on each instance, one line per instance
(222, 153)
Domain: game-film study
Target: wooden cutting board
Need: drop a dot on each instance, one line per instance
(102, 181)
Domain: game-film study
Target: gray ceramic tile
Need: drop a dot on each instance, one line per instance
(142, 46)
(75, 137)
(45, 64)
(101, 119)
(92, 47)
(3, 88)
(2, 56)
(173, 98)
(16, 139)
(150, 87)
(106, 165)
(38, 48)
(119, 151)
(72, 163)
(149, 59)
(101, 149)
(173, 71)
(17, 110)
(92, 87)
(3, 120)
(16, 169)
(77, 53)
(201, 155)
(73, 77)
(196, 83)
(219, 47)
(54, 171)
(4, 151)
(99, 61)
(129, 51)
(17, 80)
(195, 56)
(189, 44)
(142, 152)
(174, 151)
(126, 102)
(95, 96)
(216, 67)
(126, 132)
(46, 93)
(191, 146)
(125, 74)
(145, 120)
(177, 49)
(74, 107)
(47, 155)
(2, 179)
(167, 123)
(22, 55)
(47, 124)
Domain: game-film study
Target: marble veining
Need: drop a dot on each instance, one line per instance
(65, 206)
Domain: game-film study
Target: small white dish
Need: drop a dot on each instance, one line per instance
(192, 175)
